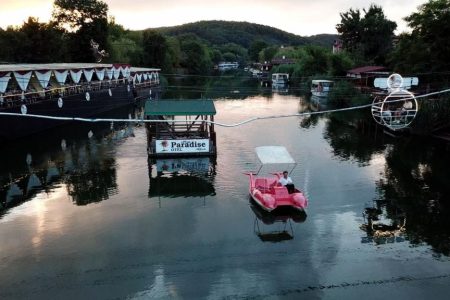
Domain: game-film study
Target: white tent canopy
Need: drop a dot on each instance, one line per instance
(76, 75)
(61, 76)
(23, 79)
(100, 73)
(88, 74)
(4, 81)
(116, 72)
(109, 73)
(274, 155)
(43, 77)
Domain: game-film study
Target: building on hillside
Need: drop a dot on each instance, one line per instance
(337, 46)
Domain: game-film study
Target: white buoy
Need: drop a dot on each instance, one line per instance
(88, 96)
(128, 88)
(63, 145)
(110, 92)
(29, 159)
(60, 102)
(23, 109)
(90, 134)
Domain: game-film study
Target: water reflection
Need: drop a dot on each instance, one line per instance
(383, 223)
(414, 182)
(182, 177)
(275, 226)
(80, 156)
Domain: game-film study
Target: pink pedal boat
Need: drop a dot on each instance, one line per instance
(267, 192)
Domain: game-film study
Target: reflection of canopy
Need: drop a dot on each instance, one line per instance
(180, 186)
(274, 155)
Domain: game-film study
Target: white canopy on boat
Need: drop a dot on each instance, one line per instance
(274, 155)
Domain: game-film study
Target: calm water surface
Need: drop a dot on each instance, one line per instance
(92, 218)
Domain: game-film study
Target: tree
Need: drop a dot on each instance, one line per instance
(339, 63)
(372, 34)
(267, 53)
(314, 60)
(255, 48)
(74, 14)
(33, 42)
(350, 29)
(194, 55)
(85, 20)
(155, 48)
(430, 26)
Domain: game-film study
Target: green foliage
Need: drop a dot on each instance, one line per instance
(195, 56)
(234, 52)
(427, 48)
(155, 48)
(339, 63)
(125, 46)
(288, 52)
(255, 48)
(344, 93)
(240, 33)
(370, 35)
(34, 42)
(75, 14)
(313, 60)
(267, 53)
(216, 56)
(84, 20)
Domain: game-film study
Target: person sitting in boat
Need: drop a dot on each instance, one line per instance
(286, 181)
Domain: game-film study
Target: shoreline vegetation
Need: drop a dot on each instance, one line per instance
(365, 37)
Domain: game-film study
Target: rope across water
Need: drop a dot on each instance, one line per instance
(94, 120)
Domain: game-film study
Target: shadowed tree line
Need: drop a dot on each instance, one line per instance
(367, 37)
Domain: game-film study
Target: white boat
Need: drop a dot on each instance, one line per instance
(225, 66)
(280, 78)
(321, 88)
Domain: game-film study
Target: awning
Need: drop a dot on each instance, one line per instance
(76, 75)
(61, 76)
(116, 72)
(4, 79)
(165, 107)
(100, 74)
(23, 78)
(43, 77)
(88, 74)
(109, 73)
(274, 155)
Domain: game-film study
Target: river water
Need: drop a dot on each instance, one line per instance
(85, 215)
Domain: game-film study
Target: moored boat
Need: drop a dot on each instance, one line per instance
(280, 78)
(321, 88)
(66, 90)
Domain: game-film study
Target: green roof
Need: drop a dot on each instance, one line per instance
(169, 107)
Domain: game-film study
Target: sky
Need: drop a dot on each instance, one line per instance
(302, 17)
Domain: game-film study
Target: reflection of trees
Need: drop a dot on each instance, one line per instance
(233, 84)
(416, 178)
(94, 179)
(344, 133)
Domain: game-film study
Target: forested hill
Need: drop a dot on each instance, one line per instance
(241, 33)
